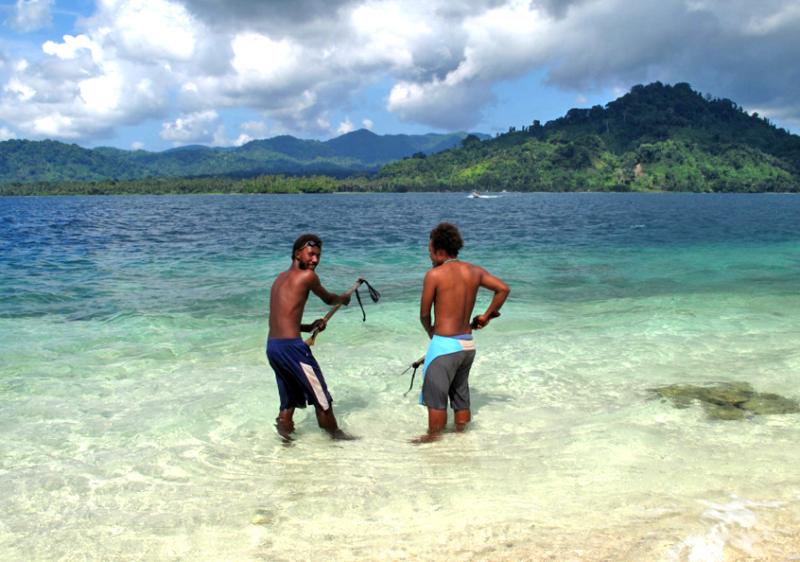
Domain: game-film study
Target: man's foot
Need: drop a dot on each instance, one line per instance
(340, 435)
(427, 438)
(285, 429)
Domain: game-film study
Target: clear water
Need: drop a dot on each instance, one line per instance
(136, 406)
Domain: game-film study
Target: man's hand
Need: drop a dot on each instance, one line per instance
(481, 320)
(318, 325)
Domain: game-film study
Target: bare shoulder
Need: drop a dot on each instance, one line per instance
(475, 269)
(304, 276)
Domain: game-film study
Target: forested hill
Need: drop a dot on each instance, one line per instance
(25, 161)
(656, 137)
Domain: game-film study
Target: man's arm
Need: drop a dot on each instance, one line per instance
(319, 325)
(426, 303)
(501, 291)
(327, 297)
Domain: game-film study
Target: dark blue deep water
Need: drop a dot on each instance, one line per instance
(86, 257)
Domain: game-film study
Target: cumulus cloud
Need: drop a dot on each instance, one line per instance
(200, 127)
(30, 15)
(251, 130)
(297, 63)
(345, 127)
(733, 48)
(117, 73)
(6, 134)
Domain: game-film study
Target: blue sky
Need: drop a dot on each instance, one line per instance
(154, 74)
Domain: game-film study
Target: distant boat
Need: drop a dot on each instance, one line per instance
(478, 195)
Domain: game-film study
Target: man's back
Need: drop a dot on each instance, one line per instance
(456, 286)
(449, 290)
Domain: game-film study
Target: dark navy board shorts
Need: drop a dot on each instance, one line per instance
(299, 378)
(448, 376)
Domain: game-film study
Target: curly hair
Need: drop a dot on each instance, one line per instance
(303, 240)
(447, 237)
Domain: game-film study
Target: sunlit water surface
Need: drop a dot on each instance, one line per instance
(137, 408)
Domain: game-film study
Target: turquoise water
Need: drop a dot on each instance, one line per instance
(137, 407)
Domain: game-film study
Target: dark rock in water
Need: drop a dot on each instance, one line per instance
(727, 412)
(766, 404)
(728, 394)
(728, 401)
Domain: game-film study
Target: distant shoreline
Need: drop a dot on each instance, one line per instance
(222, 194)
(284, 185)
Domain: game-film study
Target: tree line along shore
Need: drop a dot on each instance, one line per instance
(654, 138)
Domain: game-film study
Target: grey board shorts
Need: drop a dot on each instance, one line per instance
(448, 376)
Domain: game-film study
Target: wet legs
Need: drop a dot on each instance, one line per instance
(327, 421)
(437, 420)
(284, 424)
(462, 418)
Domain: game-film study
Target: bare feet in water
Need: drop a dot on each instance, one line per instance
(285, 428)
(340, 435)
(426, 438)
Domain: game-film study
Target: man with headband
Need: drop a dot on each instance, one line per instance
(299, 377)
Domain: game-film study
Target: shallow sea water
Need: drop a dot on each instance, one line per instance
(137, 406)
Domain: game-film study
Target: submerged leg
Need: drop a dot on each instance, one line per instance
(437, 419)
(327, 421)
(284, 423)
(462, 418)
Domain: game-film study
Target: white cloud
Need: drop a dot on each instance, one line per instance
(345, 127)
(367, 123)
(86, 85)
(142, 30)
(54, 125)
(137, 145)
(200, 127)
(31, 15)
(784, 17)
(6, 134)
(263, 63)
(23, 92)
(102, 93)
(251, 130)
(220, 137)
(248, 131)
(255, 128)
(299, 62)
(323, 123)
(242, 139)
(72, 47)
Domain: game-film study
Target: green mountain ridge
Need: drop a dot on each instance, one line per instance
(24, 161)
(656, 137)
